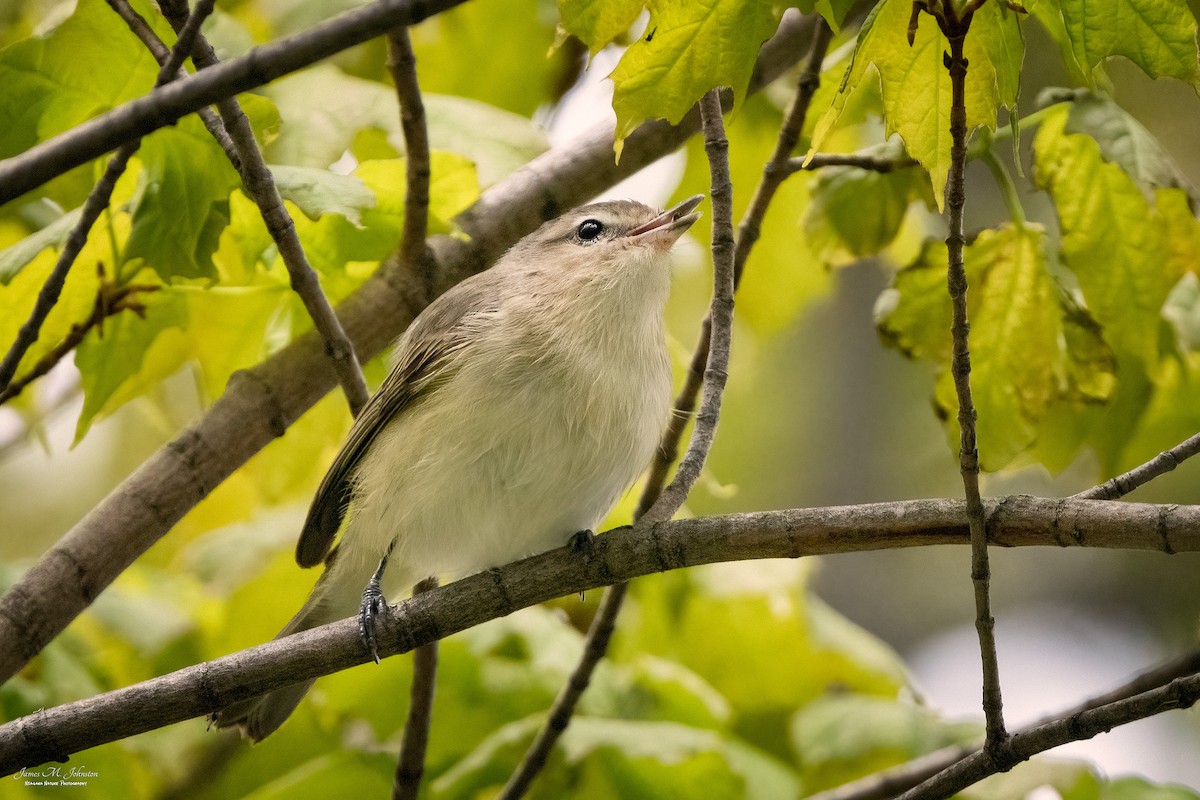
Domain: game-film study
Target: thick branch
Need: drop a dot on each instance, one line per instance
(260, 187)
(618, 556)
(163, 107)
(261, 403)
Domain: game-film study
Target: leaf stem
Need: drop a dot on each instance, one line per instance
(1008, 189)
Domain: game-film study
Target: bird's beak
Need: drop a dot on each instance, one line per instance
(668, 226)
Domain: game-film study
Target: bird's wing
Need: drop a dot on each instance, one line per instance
(426, 358)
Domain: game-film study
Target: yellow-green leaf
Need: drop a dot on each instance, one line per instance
(688, 48)
(1157, 35)
(598, 22)
(1113, 239)
(916, 85)
(1031, 348)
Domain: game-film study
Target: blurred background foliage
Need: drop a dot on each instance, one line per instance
(757, 680)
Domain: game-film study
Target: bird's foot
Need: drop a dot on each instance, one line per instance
(582, 543)
(373, 605)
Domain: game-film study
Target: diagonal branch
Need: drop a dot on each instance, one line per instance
(889, 783)
(1164, 462)
(96, 202)
(261, 403)
(618, 556)
(260, 65)
(260, 187)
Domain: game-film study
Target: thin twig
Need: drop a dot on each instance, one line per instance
(892, 781)
(955, 27)
(774, 173)
(866, 159)
(254, 68)
(110, 300)
(261, 188)
(604, 623)
(142, 30)
(414, 255)
(402, 63)
(1180, 693)
(620, 555)
(96, 202)
(1139, 476)
(410, 766)
(716, 372)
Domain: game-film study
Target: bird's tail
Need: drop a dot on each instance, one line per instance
(335, 597)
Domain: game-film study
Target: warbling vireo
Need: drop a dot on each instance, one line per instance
(522, 403)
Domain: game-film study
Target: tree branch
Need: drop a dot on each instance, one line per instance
(955, 27)
(890, 782)
(402, 63)
(774, 173)
(618, 556)
(416, 257)
(96, 202)
(1164, 462)
(259, 404)
(410, 766)
(164, 106)
(260, 187)
(142, 30)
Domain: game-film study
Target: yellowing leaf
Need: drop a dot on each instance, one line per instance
(598, 22)
(1112, 239)
(916, 85)
(1031, 348)
(1157, 35)
(688, 48)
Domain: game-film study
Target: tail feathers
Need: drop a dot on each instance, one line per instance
(259, 717)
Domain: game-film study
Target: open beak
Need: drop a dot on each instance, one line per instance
(668, 226)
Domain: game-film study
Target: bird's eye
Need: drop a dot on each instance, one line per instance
(589, 230)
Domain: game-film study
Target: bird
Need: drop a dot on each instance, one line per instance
(520, 406)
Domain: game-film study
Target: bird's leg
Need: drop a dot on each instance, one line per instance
(582, 543)
(373, 604)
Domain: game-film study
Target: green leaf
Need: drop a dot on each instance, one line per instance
(857, 212)
(834, 11)
(13, 259)
(181, 204)
(598, 22)
(1157, 35)
(1031, 347)
(688, 49)
(1123, 141)
(317, 134)
(916, 86)
(600, 758)
(516, 74)
(52, 82)
(319, 191)
(838, 738)
(221, 329)
(1113, 240)
(329, 775)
